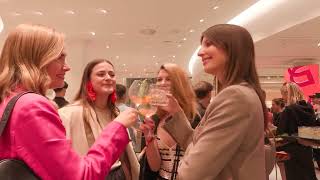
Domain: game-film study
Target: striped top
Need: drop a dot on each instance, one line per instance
(169, 155)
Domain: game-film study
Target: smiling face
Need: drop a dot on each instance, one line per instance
(103, 78)
(163, 80)
(213, 58)
(57, 69)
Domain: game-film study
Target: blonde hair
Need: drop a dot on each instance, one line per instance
(293, 91)
(25, 55)
(181, 89)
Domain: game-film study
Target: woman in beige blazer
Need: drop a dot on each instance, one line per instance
(229, 141)
(93, 109)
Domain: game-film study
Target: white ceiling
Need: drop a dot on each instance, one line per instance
(120, 29)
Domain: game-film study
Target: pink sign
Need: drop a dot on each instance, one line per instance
(306, 77)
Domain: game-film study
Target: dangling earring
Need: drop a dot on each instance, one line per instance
(90, 92)
(113, 97)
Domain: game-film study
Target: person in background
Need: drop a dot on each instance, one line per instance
(203, 91)
(60, 93)
(33, 59)
(277, 107)
(122, 97)
(229, 141)
(296, 113)
(93, 110)
(163, 154)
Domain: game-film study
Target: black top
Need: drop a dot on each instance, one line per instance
(299, 114)
(60, 101)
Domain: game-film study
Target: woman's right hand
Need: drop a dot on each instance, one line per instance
(128, 117)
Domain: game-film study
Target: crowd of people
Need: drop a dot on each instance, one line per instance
(195, 136)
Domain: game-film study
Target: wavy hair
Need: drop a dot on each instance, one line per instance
(181, 89)
(25, 55)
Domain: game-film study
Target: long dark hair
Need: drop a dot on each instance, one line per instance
(238, 46)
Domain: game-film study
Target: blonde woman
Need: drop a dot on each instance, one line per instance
(33, 59)
(163, 154)
(296, 113)
(94, 108)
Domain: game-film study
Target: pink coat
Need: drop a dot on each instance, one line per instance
(36, 135)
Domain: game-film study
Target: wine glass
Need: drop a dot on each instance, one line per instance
(139, 94)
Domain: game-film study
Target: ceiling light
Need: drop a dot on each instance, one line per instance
(157, 63)
(184, 39)
(215, 7)
(107, 46)
(258, 9)
(70, 12)
(144, 69)
(118, 34)
(268, 77)
(122, 64)
(1, 24)
(92, 33)
(38, 13)
(153, 56)
(319, 44)
(125, 70)
(179, 45)
(117, 57)
(191, 30)
(174, 56)
(201, 20)
(102, 11)
(16, 14)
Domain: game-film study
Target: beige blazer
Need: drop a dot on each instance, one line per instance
(228, 144)
(72, 119)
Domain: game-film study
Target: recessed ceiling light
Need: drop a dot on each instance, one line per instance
(215, 7)
(118, 34)
(107, 46)
(184, 39)
(157, 63)
(38, 13)
(179, 45)
(102, 11)
(122, 64)
(153, 56)
(319, 44)
(174, 56)
(201, 20)
(92, 33)
(16, 14)
(191, 30)
(268, 77)
(117, 57)
(70, 12)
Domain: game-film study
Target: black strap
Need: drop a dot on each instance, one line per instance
(176, 163)
(7, 111)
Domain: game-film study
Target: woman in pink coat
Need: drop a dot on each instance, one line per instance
(33, 59)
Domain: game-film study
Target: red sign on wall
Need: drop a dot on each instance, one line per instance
(306, 77)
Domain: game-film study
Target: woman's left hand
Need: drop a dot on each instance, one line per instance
(172, 106)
